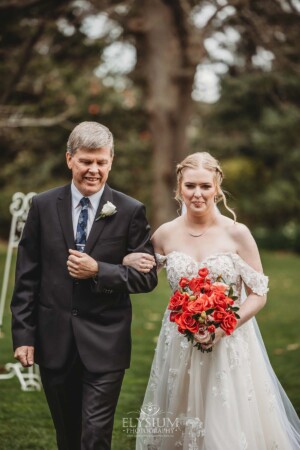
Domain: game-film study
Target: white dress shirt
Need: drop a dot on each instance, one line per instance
(76, 207)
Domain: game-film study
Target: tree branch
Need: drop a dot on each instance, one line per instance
(16, 121)
(18, 4)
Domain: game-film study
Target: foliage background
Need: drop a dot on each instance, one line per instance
(56, 71)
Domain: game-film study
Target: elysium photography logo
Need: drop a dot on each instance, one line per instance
(150, 420)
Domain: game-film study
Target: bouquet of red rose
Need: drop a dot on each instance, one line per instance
(200, 306)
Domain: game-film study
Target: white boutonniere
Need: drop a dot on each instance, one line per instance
(109, 209)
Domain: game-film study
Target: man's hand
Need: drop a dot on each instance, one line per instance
(81, 265)
(25, 355)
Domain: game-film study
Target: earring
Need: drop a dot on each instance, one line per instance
(215, 198)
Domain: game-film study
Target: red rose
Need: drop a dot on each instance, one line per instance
(219, 314)
(206, 302)
(196, 284)
(219, 299)
(220, 287)
(186, 322)
(177, 300)
(203, 272)
(173, 314)
(202, 303)
(207, 287)
(229, 323)
(184, 282)
(211, 328)
(194, 307)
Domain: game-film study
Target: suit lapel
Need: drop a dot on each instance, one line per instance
(64, 208)
(98, 226)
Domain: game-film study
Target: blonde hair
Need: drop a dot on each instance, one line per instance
(206, 161)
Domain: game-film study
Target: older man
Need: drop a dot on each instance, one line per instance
(71, 307)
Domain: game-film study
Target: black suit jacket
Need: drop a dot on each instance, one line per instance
(56, 313)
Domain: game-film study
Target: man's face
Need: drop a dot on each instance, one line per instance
(90, 169)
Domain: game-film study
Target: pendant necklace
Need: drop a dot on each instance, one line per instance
(203, 232)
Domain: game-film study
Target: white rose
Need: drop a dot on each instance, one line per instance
(108, 209)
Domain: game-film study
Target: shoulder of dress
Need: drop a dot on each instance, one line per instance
(256, 281)
(161, 259)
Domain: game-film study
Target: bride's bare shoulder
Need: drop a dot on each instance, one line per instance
(240, 234)
(166, 228)
(237, 231)
(245, 245)
(160, 236)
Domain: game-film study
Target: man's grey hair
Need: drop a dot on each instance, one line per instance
(90, 135)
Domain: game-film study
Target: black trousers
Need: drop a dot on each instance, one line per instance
(82, 405)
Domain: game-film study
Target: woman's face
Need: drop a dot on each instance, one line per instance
(198, 189)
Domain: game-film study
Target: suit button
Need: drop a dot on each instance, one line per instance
(74, 312)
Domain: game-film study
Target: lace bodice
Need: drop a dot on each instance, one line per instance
(230, 265)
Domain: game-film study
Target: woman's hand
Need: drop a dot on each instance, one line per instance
(219, 334)
(143, 262)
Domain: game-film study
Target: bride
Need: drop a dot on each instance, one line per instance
(229, 398)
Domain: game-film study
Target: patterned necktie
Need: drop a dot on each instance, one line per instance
(81, 232)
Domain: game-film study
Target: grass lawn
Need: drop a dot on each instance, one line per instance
(25, 422)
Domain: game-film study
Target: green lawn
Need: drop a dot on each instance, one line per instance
(24, 418)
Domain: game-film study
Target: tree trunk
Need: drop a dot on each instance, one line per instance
(168, 52)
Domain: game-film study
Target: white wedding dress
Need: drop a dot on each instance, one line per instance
(229, 399)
